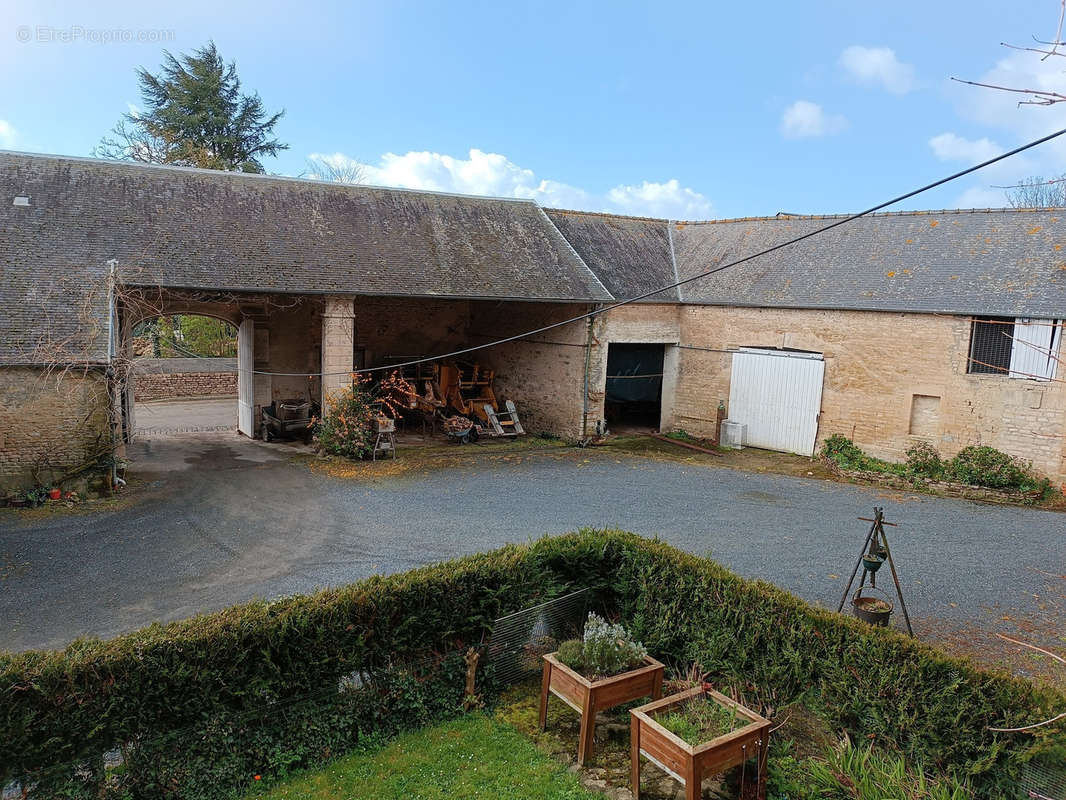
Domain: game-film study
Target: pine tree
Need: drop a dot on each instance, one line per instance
(195, 115)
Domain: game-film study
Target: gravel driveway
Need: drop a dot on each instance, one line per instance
(222, 519)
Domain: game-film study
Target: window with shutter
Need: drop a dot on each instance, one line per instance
(1022, 348)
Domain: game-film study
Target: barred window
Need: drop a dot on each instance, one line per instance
(991, 341)
(1020, 348)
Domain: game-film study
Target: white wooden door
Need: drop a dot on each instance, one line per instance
(778, 395)
(245, 377)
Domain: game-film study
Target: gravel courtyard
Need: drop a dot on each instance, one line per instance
(217, 519)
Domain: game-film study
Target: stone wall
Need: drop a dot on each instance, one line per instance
(49, 426)
(890, 380)
(640, 323)
(544, 375)
(172, 378)
(390, 329)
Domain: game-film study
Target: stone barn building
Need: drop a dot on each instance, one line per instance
(942, 326)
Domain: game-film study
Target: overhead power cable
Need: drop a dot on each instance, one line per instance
(596, 312)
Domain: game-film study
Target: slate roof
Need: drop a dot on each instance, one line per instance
(631, 255)
(1002, 262)
(200, 229)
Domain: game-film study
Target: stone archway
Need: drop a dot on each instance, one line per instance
(187, 377)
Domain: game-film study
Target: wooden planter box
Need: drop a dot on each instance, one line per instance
(384, 425)
(588, 697)
(689, 764)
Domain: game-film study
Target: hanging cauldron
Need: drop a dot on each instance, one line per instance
(871, 609)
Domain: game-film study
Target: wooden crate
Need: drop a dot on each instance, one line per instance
(690, 764)
(588, 697)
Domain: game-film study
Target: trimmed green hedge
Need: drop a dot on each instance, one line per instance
(241, 678)
(203, 704)
(877, 684)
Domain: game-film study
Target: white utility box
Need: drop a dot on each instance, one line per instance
(733, 434)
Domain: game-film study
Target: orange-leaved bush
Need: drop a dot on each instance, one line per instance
(347, 427)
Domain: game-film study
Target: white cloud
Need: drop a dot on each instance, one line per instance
(8, 134)
(496, 175)
(806, 119)
(670, 199)
(982, 197)
(878, 66)
(951, 147)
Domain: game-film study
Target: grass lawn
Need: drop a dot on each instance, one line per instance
(474, 756)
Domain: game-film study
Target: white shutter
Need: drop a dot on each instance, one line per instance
(1035, 348)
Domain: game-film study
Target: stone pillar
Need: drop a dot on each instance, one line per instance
(671, 369)
(338, 336)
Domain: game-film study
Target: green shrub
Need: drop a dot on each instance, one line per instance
(572, 653)
(842, 450)
(847, 455)
(991, 468)
(924, 461)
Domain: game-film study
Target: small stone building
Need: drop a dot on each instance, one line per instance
(940, 326)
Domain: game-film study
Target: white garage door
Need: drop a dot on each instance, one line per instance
(778, 395)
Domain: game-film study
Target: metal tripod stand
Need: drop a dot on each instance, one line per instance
(875, 551)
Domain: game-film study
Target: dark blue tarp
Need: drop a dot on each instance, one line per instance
(624, 360)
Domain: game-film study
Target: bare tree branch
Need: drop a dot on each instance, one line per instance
(1036, 182)
(325, 168)
(1046, 53)
(1058, 32)
(1037, 97)
(1041, 97)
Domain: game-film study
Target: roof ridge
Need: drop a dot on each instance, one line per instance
(225, 174)
(228, 174)
(782, 217)
(604, 214)
(573, 251)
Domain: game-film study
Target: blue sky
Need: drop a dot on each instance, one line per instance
(686, 111)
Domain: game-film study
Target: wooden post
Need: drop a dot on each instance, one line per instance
(634, 755)
(588, 730)
(545, 682)
(471, 658)
(693, 781)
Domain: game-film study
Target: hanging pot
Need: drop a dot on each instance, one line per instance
(872, 562)
(873, 610)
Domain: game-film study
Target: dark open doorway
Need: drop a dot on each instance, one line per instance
(634, 388)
